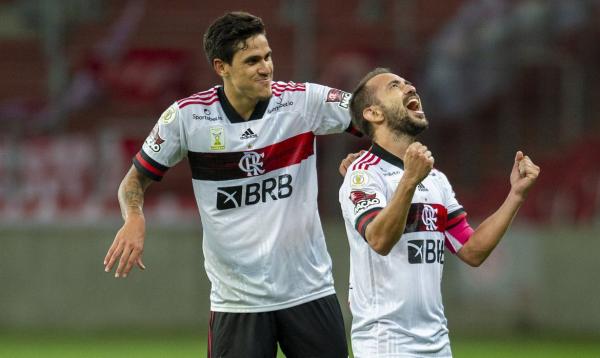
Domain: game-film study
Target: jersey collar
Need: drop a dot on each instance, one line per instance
(387, 156)
(233, 115)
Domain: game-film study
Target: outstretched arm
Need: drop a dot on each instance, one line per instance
(490, 231)
(128, 244)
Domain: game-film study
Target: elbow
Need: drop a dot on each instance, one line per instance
(380, 240)
(474, 260)
(381, 251)
(379, 245)
(474, 263)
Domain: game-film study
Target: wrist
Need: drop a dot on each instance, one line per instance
(408, 182)
(134, 215)
(517, 198)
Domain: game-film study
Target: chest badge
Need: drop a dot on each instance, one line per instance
(217, 138)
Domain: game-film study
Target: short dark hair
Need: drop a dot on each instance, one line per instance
(363, 97)
(228, 34)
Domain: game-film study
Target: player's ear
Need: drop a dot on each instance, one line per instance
(373, 114)
(220, 67)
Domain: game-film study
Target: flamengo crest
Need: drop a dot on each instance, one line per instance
(429, 217)
(251, 163)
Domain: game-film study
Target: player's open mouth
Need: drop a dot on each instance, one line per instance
(414, 105)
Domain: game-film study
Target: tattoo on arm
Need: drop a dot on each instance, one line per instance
(131, 192)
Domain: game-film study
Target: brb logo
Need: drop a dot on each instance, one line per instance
(250, 194)
(425, 251)
(251, 163)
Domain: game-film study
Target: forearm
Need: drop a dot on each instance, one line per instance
(131, 193)
(489, 233)
(388, 226)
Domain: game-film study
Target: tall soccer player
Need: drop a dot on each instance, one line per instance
(399, 214)
(250, 144)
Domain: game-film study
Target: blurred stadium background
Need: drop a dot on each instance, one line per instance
(83, 82)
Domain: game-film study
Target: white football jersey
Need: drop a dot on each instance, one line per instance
(255, 183)
(396, 300)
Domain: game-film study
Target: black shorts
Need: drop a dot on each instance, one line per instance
(311, 330)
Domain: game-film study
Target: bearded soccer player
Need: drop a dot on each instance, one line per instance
(399, 214)
(250, 143)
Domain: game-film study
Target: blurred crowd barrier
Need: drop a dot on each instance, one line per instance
(536, 282)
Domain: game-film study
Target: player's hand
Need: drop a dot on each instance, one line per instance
(418, 162)
(345, 164)
(523, 175)
(127, 247)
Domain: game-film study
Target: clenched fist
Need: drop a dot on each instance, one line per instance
(524, 174)
(418, 162)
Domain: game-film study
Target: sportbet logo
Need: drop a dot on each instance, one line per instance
(243, 195)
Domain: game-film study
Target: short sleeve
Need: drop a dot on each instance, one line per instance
(457, 230)
(362, 197)
(453, 207)
(163, 148)
(328, 109)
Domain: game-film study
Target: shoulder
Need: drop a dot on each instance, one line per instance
(436, 173)
(279, 87)
(439, 177)
(363, 171)
(201, 108)
(205, 98)
(367, 161)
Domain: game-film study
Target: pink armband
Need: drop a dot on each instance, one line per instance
(458, 233)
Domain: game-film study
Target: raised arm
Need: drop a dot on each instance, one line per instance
(490, 231)
(388, 226)
(128, 244)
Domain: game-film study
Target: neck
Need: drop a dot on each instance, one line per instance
(393, 143)
(243, 105)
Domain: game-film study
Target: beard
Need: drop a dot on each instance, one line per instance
(264, 97)
(402, 124)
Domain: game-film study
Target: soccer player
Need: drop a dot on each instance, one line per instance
(250, 144)
(399, 214)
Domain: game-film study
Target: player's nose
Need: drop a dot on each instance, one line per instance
(265, 68)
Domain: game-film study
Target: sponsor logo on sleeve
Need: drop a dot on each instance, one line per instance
(154, 140)
(359, 179)
(169, 115)
(336, 95)
(363, 200)
(217, 138)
